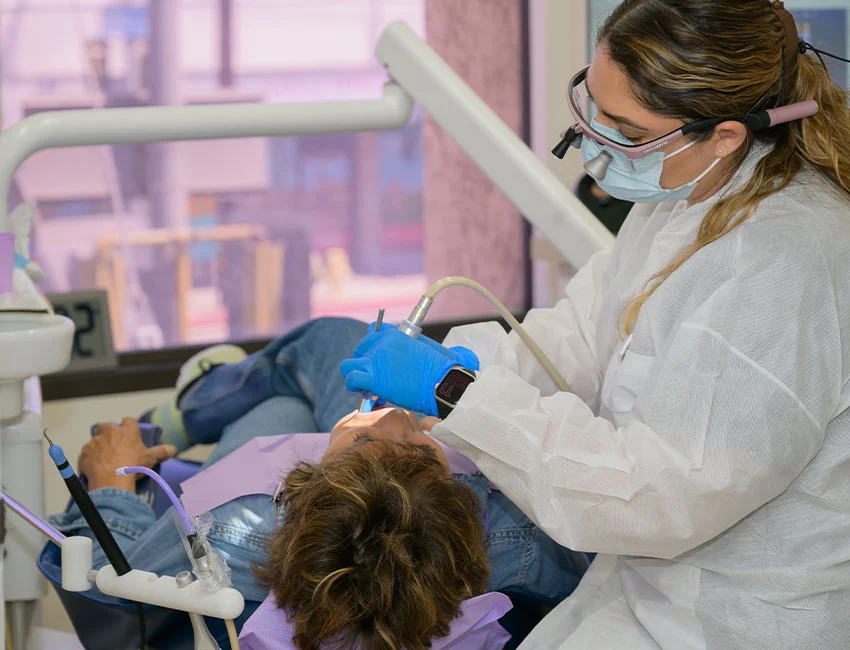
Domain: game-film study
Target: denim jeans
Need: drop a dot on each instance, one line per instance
(294, 386)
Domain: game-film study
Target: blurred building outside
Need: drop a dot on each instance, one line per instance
(228, 239)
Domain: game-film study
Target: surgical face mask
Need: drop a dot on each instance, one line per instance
(638, 181)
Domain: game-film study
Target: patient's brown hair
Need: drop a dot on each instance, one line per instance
(378, 547)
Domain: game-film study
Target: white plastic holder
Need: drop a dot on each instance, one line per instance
(144, 586)
(147, 587)
(76, 563)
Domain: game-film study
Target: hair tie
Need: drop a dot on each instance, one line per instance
(792, 45)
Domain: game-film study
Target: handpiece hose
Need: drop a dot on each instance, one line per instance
(413, 325)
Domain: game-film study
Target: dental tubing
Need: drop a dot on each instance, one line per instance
(211, 569)
(413, 325)
(134, 469)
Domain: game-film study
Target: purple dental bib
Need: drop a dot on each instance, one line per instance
(257, 467)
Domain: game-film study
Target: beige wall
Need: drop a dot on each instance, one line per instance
(558, 47)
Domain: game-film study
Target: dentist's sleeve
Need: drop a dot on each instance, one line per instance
(566, 332)
(732, 412)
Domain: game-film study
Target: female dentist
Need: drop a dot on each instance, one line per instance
(705, 453)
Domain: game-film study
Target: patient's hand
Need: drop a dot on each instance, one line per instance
(115, 446)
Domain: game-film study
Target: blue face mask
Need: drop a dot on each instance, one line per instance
(638, 181)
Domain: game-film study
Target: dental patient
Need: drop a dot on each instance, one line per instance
(378, 545)
(377, 541)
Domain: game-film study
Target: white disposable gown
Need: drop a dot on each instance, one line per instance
(707, 457)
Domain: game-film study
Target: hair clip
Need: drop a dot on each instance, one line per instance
(278, 494)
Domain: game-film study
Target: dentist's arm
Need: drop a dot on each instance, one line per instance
(735, 407)
(566, 332)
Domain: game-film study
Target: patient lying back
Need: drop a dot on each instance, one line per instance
(377, 545)
(375, 548)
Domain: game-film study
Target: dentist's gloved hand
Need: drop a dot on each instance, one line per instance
(402, 370)
(462, 356)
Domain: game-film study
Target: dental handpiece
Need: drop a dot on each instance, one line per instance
(413, 325)
(367, 403)
(88, 509)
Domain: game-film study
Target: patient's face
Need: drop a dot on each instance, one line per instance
(387, 424)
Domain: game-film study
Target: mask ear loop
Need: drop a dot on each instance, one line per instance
(682, 150)
(705, 173)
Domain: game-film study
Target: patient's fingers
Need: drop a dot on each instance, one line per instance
(162, 453)
(130, 425)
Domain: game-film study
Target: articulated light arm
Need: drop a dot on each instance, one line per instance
(178, 123)
(492, 145)
(416, 72)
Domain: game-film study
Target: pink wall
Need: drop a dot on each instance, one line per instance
(471, 229)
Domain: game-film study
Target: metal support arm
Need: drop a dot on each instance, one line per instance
(417, 73)
(168, 123)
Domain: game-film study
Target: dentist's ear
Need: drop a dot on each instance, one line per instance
(728, 138)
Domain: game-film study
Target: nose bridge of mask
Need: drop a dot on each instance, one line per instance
(608, 132)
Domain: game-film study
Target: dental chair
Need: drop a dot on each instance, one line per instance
(90, 610)
(170, 629)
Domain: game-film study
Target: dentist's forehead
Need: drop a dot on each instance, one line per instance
(613, 96)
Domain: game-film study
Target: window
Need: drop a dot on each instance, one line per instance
(823, 23)
(279, 229)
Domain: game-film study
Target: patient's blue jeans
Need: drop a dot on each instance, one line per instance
(294, 386)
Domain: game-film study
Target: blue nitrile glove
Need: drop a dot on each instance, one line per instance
(462, 356)
(402, 370)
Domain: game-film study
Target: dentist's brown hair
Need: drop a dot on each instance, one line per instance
(695, 59)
